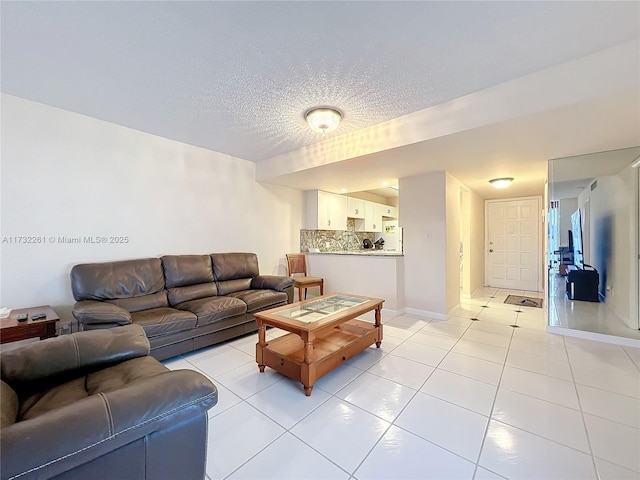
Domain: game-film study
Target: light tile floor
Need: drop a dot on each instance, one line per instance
(454, 399)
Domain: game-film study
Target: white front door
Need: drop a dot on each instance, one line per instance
(513, 243)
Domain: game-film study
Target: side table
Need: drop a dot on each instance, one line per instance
(11, 330)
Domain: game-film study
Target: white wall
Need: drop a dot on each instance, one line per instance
(369, 275)
(613, 230)
(431, 216)
(67, 175)
(423, 219)
(476, 228)
(452, 251)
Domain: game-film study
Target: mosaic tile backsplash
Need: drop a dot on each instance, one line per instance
(338, 240)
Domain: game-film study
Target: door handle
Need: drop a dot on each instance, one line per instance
(491, 250)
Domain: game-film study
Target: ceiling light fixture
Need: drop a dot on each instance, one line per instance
(323, 119)
(501, 182)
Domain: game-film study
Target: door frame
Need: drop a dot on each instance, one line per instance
(541, 231)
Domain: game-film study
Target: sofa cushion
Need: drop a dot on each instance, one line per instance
(229, 266)
(214, 309)
(260, 299)
(117, 280)
(8, 405)
(101, 381)
(238, 285)
(143, 302)
(188, 277)
(158, 321)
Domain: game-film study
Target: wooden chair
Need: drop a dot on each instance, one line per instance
(297, 263)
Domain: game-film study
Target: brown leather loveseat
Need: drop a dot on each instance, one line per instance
(96, 405)
(183, 302)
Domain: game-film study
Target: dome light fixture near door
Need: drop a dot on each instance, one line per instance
(323, 119)
(503, 182)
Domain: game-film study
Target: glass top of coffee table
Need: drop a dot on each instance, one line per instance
(315, 310)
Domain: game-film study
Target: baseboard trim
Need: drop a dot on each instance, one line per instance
(597, 337)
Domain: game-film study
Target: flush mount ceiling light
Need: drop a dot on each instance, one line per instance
(323, 119)
(501, 182)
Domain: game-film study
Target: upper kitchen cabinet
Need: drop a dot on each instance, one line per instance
(325, 211)
(355, 207)
(372, 218)
(389, 212)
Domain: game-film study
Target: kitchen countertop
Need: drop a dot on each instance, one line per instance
(368, 253)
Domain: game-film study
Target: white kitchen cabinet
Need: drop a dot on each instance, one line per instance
(325, 211)
(389, 212)
(372, 221)
(355, 207)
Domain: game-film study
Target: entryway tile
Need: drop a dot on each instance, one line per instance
(611, 471)
(338, 378)
(618, 408)
(247, 380)
(277, 457)
(401, 370)
(472, 367)
(479, 336)
(377, 395)
(444, 328)
(463, 391)
(540, 386)
(408, 323)
(484, 474)
(226, 400)
(235, 436)
(514, 453)
(480, 350)
(543, 349)
(221, 361)
(401, 455)
(443, 342)
(538, 364)
(290, 393)
(612, 382)
(549, 420)
(614, 442)
(447, 425)
(420, 353)
(336, 424)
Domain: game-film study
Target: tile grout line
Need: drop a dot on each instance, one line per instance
(393, 423)
(584, 423)
(486, 430)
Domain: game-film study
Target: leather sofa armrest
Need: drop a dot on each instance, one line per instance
(278, 283)
(94, 313)
(98, 424)
(68, 356)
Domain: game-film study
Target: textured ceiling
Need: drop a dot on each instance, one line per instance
(236, 77)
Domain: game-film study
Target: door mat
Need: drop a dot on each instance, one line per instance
(524, 301)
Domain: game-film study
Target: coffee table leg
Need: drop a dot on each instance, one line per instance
(308, 370)
(262, 342)
(378, 324)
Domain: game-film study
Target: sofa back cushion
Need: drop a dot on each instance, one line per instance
(188, 277)
(233, 271)
(132, 284)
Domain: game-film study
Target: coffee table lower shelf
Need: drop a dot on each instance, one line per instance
(329, 350)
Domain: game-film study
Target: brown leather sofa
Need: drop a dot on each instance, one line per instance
(96, 405)
(183, 302)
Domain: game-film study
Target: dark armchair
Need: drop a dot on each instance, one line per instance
(95, 405)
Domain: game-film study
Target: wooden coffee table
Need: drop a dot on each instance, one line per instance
(11, 330)
(324, 335)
